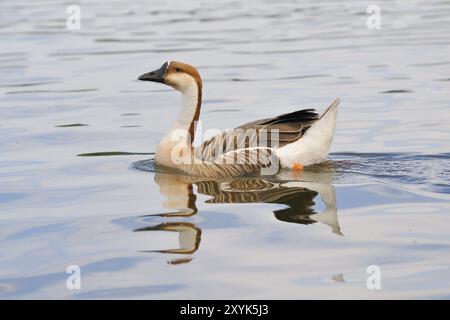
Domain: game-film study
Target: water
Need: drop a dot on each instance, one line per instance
(76, 130)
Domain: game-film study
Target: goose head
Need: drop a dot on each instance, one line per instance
(178, 75)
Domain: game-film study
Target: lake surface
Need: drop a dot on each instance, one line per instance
(382, 199)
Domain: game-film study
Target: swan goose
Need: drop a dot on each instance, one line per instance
(291, 140)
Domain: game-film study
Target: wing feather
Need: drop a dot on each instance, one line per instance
(270, 133)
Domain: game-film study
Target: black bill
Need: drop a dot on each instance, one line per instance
(155, 76)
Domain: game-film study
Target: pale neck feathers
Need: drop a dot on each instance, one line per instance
(181, 135)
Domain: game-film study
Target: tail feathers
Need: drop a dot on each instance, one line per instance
(332, 107)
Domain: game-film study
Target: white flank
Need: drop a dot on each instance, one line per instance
(315, 145)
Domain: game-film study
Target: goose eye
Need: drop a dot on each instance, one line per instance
(177, 69)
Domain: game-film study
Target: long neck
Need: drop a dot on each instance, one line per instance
(190, 110)
(179, 139)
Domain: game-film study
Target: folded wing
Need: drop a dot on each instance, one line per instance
(259, 137)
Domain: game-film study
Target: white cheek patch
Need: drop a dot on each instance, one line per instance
(180, 81)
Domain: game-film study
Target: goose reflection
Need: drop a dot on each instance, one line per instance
(298, 193)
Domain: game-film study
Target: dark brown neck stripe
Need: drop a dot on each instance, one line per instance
(197, 111)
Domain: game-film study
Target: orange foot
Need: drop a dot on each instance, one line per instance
(297, 166)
